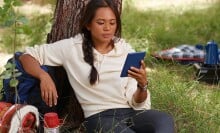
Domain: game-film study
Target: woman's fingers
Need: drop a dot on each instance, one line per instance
(50, 97)
(49, 93)
(54, 98)
(139, 74)
(143, 66)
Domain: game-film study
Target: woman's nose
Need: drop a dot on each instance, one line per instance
(106, 27)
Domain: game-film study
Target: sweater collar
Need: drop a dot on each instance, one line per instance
(116, 51)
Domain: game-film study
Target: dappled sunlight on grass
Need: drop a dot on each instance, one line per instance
(194, 105)
(177, 6)
(29, 8)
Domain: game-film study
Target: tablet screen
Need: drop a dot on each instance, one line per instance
(132, 59)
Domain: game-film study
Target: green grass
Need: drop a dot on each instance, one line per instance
(164, 28)
(195, 106)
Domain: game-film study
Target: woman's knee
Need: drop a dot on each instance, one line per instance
(165, 122)
(161, 122)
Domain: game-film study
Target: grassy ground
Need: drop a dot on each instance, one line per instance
(194, 105)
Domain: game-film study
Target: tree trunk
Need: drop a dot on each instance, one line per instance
(66, 24)
(66, 18)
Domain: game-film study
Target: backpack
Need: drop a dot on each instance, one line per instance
(28, 88)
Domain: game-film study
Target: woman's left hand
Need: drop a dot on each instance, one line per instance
(139, 74)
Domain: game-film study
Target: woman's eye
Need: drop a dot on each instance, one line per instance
(100, 23)
(112, 23)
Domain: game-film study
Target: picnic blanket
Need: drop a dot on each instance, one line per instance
(183, 53)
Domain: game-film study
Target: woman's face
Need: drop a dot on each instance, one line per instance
(103, 26)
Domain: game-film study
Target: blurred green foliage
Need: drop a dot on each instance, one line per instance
(174, 88)
(29, 30)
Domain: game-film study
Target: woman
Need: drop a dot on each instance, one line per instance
(93, 61)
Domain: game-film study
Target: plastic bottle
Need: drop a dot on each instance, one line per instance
(51, 123)
(212, 57)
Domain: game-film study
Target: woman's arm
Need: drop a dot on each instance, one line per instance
(48, 89)
(140, 75)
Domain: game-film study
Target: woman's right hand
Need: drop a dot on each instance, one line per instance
(48, 90)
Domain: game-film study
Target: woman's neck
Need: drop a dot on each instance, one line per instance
(104, 48)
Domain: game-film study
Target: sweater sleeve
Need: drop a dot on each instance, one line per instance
(144, 105)
(51, 54)
(131, 88)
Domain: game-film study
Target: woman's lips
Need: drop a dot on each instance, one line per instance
(107, 35)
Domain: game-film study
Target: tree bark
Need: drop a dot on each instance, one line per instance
(66, 18)
(66, 24)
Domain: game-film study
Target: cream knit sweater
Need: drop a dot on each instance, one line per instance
(111, 91)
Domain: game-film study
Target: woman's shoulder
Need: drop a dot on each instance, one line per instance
(123, 45)
(77, 39)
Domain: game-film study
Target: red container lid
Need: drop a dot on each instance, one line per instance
(51, 120)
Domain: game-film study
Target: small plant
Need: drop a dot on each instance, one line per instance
(11, 19)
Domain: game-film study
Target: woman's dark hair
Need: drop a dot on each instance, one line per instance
(88, 15)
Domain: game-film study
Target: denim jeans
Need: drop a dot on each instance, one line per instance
(127, 120)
